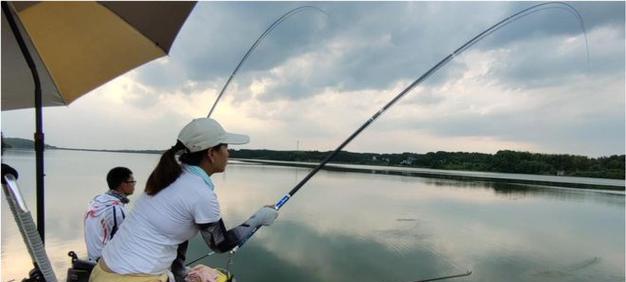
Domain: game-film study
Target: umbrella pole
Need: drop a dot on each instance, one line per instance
(39, 136)
(39, 148)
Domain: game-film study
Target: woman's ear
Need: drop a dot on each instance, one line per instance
(209, 154)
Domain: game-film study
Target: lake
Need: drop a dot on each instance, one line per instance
(345, 226)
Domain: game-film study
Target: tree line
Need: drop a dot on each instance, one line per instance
(505, 161)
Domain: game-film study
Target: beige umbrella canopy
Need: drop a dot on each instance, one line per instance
(78, 46)
(74, 47)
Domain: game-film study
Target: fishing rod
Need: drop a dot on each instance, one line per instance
(256, 43)
(435, 68)
(432, 70)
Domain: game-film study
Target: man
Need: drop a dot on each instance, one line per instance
(107, 211)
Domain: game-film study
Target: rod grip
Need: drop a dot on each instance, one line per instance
(282, 201)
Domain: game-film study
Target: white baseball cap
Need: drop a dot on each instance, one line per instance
(204, 133)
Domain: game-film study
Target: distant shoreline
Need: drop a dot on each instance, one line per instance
(455, 175)
(113, 151)
(511, 178)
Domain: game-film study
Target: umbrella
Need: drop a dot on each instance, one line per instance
(55, 52)
(78, 46)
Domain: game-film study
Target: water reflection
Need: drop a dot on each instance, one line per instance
(519, 191)
(295, 252)
(355, 226)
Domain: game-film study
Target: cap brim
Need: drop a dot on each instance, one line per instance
(235, 139)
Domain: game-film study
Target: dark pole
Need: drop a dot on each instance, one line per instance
(39, 136)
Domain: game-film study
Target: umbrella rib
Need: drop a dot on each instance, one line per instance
(130, 25)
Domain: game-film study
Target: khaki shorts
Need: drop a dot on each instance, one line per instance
(101, 273)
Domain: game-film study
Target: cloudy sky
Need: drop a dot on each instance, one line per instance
(316, 78)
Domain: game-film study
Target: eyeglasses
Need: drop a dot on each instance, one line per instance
(131, 181)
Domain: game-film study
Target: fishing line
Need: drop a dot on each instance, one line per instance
(256, 43)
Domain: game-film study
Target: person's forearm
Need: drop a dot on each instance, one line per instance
(220, 240)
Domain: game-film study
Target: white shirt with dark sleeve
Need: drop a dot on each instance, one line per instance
(147, 241)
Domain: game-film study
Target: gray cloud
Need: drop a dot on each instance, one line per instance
(217, 35)
(381, 43)
(571, 122)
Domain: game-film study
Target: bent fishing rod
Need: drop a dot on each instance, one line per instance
(256, 43)
(424, 76)
(431, 71)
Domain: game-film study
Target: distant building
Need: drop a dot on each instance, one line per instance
(408, 161)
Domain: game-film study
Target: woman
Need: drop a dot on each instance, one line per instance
(178, 202)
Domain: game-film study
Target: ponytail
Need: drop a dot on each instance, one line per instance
(166, 171)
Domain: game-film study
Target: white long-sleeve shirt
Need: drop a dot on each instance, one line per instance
(104, 215)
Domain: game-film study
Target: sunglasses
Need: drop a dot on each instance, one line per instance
(131, 181)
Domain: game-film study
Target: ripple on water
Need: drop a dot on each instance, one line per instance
(568, 270)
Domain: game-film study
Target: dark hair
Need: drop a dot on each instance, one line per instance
(168, 169)
(117, 175)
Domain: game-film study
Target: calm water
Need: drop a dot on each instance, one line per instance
(354, 226)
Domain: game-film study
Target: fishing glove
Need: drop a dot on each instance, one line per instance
(263, 217)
